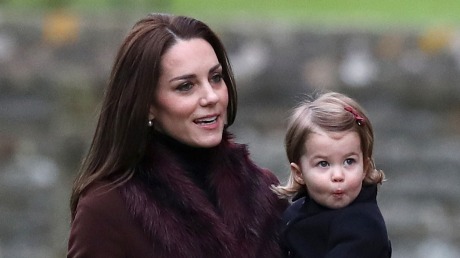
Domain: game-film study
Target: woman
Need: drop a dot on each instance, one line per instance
(163, 177)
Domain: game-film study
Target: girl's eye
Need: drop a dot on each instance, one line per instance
(323, 164)
(349, 161)
(216, 78)
(186, 86)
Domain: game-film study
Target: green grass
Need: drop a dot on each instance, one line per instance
(415, 12)
(334, 11)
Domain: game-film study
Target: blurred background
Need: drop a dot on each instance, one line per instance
(399, 59)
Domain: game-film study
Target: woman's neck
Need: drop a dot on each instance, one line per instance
(195, 161)
(184, 151)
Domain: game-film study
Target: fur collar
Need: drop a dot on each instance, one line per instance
(181, 221)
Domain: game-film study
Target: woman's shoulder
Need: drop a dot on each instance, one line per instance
(99, 190)
(241, 156)
(102, 222)
(268, 176)
(101, 198)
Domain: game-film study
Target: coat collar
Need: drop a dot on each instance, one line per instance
(177, 214)
(309, 207)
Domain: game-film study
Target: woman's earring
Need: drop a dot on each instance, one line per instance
(150, 123)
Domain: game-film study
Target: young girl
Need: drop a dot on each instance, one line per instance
(333, 183)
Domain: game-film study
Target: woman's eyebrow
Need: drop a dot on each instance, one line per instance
(182, 77)
(191, 76)
(217, 66)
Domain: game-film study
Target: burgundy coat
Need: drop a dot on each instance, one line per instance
(160, 212)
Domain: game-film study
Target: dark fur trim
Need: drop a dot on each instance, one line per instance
(181, 221)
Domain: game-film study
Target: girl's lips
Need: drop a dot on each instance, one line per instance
(338, 193)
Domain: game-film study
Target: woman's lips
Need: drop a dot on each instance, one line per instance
(206, 120)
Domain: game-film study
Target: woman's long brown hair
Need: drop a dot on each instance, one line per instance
(121, 133)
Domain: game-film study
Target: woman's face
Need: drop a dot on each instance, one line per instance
(191, 98)
(332, 169)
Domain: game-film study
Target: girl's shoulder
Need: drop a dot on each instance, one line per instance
(293, 210)
(364, 217)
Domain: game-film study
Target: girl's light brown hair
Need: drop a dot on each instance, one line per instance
(329, 112)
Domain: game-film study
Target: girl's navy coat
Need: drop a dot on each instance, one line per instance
(358, 230)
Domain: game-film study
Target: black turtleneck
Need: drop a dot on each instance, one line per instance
(195, 160)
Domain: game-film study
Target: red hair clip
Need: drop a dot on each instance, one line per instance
(359, 119)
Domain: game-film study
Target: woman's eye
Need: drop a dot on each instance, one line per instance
(323, 164)
(186, 86)
(216, 78)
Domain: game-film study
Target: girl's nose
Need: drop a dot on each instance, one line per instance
(337, 175)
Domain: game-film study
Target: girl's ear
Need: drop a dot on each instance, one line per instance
(297, 173)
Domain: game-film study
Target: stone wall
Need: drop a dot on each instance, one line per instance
(53, 68)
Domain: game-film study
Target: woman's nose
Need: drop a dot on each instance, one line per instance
(209, 95)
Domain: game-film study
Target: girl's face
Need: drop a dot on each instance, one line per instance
(191, 98)
(332, 169)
